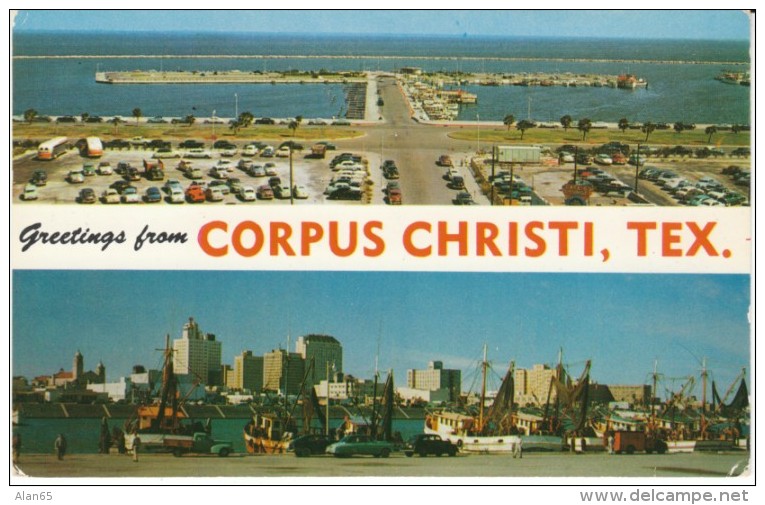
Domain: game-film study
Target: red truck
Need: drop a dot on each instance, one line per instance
(637, 441)
(153, 170)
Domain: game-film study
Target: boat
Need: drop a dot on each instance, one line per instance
(733, 77)
(490, 432)
(154, 423)
(270, 432)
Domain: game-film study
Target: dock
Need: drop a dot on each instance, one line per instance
(227, 77)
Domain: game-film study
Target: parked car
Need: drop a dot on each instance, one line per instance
(424, 444)
(198, 153)
(156, 120)
(361, 445)
(175, 195)
(39, 178)
(309, 445)
(75, 177)
(265, 192)
(247, 194)
(130, 195)
(119, 186)
(603, 159)
(269, 169)
(195, 193)
(256, 171)
(219, 172)
(88, 169)
(104, 168)
(214, 194)
(223, 185)
(110, 195)
(250, 150)
(191, 144)
(30, 192)
(282, 191)
(299, 192)
(166, 152)
(463, 198)
(445, 161)
(345, 193)
(235, 184)
(152, 195)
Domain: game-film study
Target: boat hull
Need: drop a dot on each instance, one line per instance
(263, 445)
(480, 444)
(154, 442)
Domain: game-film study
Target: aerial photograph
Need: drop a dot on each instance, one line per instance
(377, 374)
(381, 107)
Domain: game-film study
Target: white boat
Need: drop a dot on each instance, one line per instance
(489, 433)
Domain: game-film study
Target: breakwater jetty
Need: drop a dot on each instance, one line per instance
(227, 77)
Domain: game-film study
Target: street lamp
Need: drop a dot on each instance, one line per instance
(213, 123)
(236, 106)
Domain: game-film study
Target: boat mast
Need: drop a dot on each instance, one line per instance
(484, 367)
(703, 397)
(653, 393)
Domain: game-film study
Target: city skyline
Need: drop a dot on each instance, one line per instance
(412, 318)
(669, 24)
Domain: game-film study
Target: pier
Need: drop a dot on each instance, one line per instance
(227, 77)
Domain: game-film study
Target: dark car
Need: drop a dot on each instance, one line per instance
(39, 178)
(120, 186)
(292, 145)
(152, 195)
(191, 144)
(309, 445)
(158, 144)
(223, 144)
(344, 193)
(117, 144)
(87, 195)
(424, 444)
(94, 119)
(265, 120)
(66, 119)
(463, 198)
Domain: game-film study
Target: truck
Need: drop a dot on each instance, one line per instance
(637, 441)
(154, 170)
(200, 443)
(318, 151)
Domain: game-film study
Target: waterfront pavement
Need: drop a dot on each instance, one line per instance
(719, 467)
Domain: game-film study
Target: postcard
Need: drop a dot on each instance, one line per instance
(383, 247)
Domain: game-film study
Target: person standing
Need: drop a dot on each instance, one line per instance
(610, 443)
(518, 449)
(16, 446)
(136, 447)
(60, 446)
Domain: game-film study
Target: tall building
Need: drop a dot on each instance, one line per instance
(434, 378)
(198, 354)
(77, 366)
(532, 386)
(247, 372)
(283, 371)
(324, 350)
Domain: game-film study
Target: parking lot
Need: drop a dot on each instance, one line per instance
(313, 174)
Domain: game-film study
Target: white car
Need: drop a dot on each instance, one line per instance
(104, 168)
(244, 164)
(176, 195)
(170, 184)
(30, 192)
(219, 172)
(214, 194)
(76, 177)
(299, 192)
(130, 195)
(567, 157)
(110, 195)
(283, 152)
(166, 153)
(248, 194)
(603, 159)
(250, 150)
(228, 152)
(198, 153)
(270, 169)
(282, 191)
(267, 152)
(257, 171)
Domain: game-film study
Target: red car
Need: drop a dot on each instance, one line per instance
(195, 193)
(265, 193)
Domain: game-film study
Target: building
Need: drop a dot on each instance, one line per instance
(434, 378)
(283, 372)
(78, 377)
(344, 387)
(325, 351)
(247, 373)
(532, 386)
(198, 354)
(414, 396)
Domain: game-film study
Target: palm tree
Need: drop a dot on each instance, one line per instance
(678, 127)
(189, 120)
(137, 114)
(116, 122)
(710, 130)
(648, 128)
(84, 116)
(624, 123)
(29, 115)
(735, 128)
(584, 126)
(294, 124)
(566, 121)
(246, 119)
(523, 125)
(235, 125)
(509, 120)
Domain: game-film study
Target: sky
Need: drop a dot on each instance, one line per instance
(404, 320)
(689, 24)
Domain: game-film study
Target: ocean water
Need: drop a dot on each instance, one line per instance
(676, 92)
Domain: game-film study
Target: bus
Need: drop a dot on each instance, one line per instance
(52, 149)
(93, 147)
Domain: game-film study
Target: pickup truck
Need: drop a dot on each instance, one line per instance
(201, 443)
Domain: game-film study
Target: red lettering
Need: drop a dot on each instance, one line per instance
(333, 239)
(310, 233)
(280, 235)
(642, 234)
(588, 239)
(236, 239)
(531, 226)
(204, 243)
(701, 239)
(379, 248)
(668, 238)
(563, 228)
(444, 237)
(486, 233)
(419, 252)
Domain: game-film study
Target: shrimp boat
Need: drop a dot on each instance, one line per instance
(490, 432)
(154, 423)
